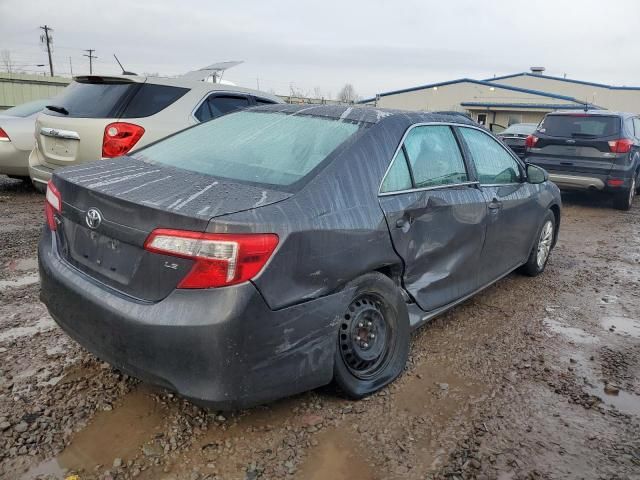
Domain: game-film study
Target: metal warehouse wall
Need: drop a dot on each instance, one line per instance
(17, 88)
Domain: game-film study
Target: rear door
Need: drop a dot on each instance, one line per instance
(514, 215)
(436, 216)
(575, 143)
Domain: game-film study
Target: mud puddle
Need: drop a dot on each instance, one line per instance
(574, 334)
(42, 325)
(337, 457)
(623, 401)
(22, 281)
(118, 433)
(622, 326)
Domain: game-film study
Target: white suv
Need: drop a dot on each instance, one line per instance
(99, 116)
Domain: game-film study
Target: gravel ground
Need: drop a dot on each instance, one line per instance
(533, 378)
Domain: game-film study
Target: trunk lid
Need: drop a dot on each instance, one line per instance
(72, 130)
(132, 198)
(576, 143)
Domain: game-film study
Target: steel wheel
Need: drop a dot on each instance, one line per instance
(545, 243)
(365, 337)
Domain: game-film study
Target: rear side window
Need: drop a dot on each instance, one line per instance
(435, 157)
(262, 101)
(267, 148)
(636, 127)
(495, 166)
(93, 100)
(218, 105)
(576, 126)
(398, 177)
(151, 99)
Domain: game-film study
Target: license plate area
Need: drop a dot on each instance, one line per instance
(104, 255)
(62, 150)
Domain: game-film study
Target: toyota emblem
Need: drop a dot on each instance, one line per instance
(93, 218)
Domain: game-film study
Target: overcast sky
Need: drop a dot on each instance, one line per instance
(375, 45)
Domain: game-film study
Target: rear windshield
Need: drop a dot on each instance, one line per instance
(259, 147)
(110, 99)
(520, 128)
(26, 109)
(580, 126)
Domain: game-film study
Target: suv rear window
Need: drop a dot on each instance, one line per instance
(112, 99)
(269, 148)
(580, 126)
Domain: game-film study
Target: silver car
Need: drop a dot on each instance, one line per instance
(16, 138)
(98, 117)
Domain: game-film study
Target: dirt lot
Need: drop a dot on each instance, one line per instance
(533, 378)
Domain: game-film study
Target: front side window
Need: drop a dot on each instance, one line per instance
(494, 164)
(267, 148)
(435, 157)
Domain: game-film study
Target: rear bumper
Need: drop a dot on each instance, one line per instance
(38, 172)
(13, 161)
(577, 182)
(222, 347)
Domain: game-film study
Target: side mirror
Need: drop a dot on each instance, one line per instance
(536, 174)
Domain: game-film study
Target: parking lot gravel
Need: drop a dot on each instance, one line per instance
(532, 378)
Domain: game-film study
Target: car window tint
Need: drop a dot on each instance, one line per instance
(259, 147)
(221, 105)
(98, 98)
(263, 101)
(493, 163)
(579, 125)
(398, 177)
(151, 99)
(435, 157)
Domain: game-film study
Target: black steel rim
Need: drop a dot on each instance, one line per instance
(365, 336)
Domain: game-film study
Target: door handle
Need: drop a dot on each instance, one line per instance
(566, 163)
(495, 205)
(404, 222)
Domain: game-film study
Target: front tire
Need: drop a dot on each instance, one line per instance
(541, 250)
(373, 336)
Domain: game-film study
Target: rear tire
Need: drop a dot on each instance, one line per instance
(541, 250)
(373, 336)
(624, 199)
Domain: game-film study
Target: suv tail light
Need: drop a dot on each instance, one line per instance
(4, 137)
(53, 205)
(531, 141)
(221, 259)
(622, 145)
(119, 138)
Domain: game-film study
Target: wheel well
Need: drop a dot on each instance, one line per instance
(556, 213)
(394, 272)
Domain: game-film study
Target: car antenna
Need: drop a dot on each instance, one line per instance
(124, 72)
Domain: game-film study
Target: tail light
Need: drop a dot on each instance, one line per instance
(4, 137)
(615, 182)
(220, 259)
(622, 145)
(53, 205)
(531, 141)
(119, 138)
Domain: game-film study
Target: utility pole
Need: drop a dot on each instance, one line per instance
(91, 57)
(70, 66)
(47, 39)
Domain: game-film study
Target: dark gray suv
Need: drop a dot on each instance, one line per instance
(594, 150)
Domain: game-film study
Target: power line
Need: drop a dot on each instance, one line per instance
(47, 39)
(91, 57)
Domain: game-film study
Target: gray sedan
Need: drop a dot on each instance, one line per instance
(277, 249)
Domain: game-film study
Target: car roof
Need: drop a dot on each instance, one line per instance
(607, 113)
(368, 114)
(184, 83)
